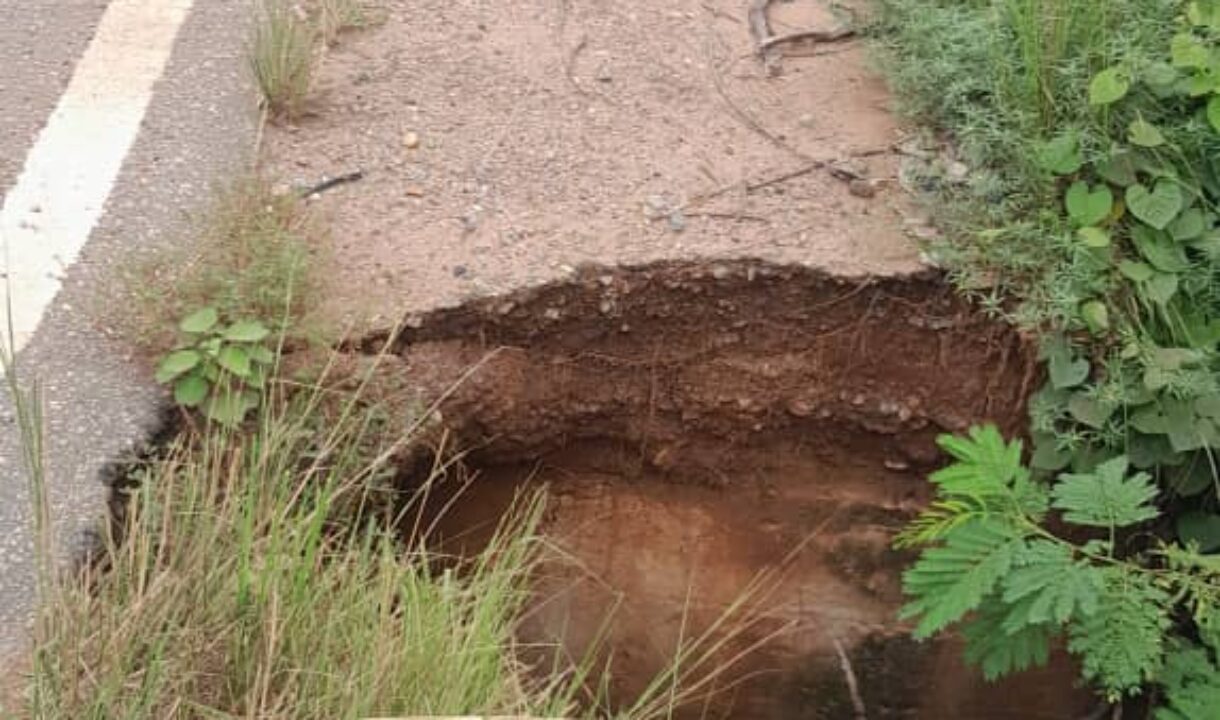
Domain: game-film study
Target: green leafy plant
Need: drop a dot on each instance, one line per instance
(1128, 607)
(220, 368)
(1092, 217)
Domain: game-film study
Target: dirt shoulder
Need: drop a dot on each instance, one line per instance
(505, 144)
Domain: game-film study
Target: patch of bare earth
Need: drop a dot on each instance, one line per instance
(505, 143)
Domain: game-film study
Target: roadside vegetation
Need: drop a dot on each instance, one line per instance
(1091, 131)
(285, 43)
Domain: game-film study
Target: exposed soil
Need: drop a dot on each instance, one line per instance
(698, 424)
(505, 143)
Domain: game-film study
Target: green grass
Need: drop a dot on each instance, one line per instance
(256, 575)
(251, 254)
(281, 56)
(263, 573)
(1090, 219)
(998, 78)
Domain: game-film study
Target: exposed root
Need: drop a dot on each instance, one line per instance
(849, 676)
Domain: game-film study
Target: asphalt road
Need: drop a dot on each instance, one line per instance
(99, 400)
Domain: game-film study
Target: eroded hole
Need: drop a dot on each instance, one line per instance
(697, 425)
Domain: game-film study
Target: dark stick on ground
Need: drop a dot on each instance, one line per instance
(332, 183)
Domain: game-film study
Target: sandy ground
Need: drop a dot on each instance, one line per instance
(507, 143)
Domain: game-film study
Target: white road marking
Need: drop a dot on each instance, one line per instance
(70, 171)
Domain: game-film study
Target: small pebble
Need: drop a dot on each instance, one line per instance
(862, 189)
(410, 140)
(677, 221)
(459, 271)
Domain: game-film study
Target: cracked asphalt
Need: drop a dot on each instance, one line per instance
(100, 403)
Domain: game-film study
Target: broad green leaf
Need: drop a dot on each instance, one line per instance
(1095, 315)
(1201, 528)
(1148, 451)
(1088, 206)
(1135, 271)
(1093, 237)
(235, 360)
(1208, 406)
(190, 390)
(1090, 411)
(225, 408)
(1065, 369)
(246, 331)
(1119, 168)
(1145, 134)
(200, 321)
(1109, 86)
(1106, 497)
(1213, 112)
(1159, 250)
(1160, 76)
(1188, 226)
(1047, 454)
(261, 355)
(1191, 478)
(1189, 52)
(1161, 287)
(1061, 155)
(177, 363)
(1156, 207)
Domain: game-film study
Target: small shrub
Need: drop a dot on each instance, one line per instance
(221, 368)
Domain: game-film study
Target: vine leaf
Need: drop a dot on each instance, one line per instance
(200, 321)
(1145, 134)
(1061, 155)
(1065, 370)
(1106, 497)
(1156, 207)
(1109, 86)
(1088, 206)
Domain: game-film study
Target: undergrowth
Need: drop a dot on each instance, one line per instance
(1091, 130)
(275, 569)
(251, 256)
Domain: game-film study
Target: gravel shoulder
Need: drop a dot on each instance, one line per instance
(506, 144)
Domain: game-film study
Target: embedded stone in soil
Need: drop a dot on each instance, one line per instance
(699, 424)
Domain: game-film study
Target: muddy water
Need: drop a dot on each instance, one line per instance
(701, 427)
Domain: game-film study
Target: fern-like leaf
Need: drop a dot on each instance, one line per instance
(1121, 645)
(999, 651)
(1048, 585)
(1192, 684)
(935, 522)
(986, 465)
(1106, 497)
(948, 582)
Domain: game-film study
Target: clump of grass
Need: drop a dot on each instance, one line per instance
(281, 55)
(252, 576)
(250, 257)
(336, 16)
